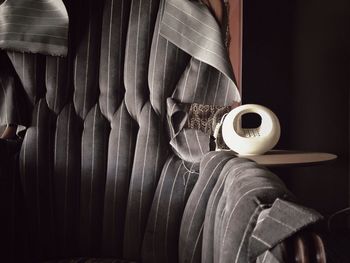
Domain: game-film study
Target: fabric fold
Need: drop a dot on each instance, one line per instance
(190, 26)
(277, 223)
(249, 211)
(34, 26)
(14, 105)
(188, 144)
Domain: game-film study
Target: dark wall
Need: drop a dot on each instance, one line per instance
(296, 60)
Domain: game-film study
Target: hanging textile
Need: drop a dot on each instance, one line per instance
(35, 26)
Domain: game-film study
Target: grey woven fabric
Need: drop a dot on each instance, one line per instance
(8, 103)
(223, 221)
(107, 168)
(34, 26)
(14, 105)
(97, 170)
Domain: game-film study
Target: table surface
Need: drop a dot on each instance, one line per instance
(285, 158)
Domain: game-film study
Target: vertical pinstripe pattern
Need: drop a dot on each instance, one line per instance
(203, 83)
(27, 67)
(115, 21)
(118, 186)
(207, 78)
(34, 26)
(123, 134)
(111, 185)
(4, 104)
(199, 36)
(121, 142)
(141, 24)
(110, 142)
(208, 233)
(167, 63)
(283, 219)
(149, 153)
(37, 178)
(93, 173)
(143, 180)
(161, 236)
(56, 82)
(86, 58)
(234, 197)
(67, 162)
(193, 217)
(13, 102)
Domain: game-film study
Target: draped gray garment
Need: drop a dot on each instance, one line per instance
(14, 103)
(34, 26)
(106, 165)
(98, 174)
(238, 212)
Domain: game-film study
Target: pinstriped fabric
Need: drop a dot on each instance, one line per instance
(166, 65)
(57, 83)
(122, 138)
(274, 255)
(251, 197)
(200, 36)
(36, 174)
(34, 26)
(268, 257)
(231, 205)
(150, 154)
(110, 147)
(66, 164)
(67, 170)
(208, 228)
(86, 57)
(280, 220)
(37, 158)
(161, 237)
(94, 151)
(234, 229)
(192, 85)
(122, 142)
(201, 83)
(93, 175)
(94, 145)
(115, 22)
(193, 216)
(140, 31)
(205, 84)
(29, 68)
(13, 102)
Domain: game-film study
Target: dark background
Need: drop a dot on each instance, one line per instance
(296, 61)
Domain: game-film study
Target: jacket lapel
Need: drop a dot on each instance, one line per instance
(190, 26)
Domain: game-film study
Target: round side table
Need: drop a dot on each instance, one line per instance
(285, 158)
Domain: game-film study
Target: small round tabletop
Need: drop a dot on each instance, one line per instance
(282, 158)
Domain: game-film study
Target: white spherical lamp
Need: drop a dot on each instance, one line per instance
(251, 141)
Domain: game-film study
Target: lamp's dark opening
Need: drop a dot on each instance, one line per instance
(251, 120)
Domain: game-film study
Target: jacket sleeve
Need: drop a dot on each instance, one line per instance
(237, 211)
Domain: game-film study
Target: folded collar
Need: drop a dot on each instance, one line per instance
(277, 223)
